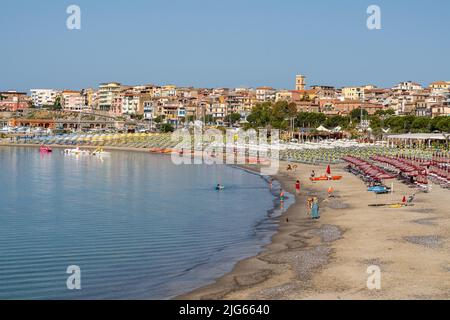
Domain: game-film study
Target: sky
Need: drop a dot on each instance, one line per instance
(226, 43)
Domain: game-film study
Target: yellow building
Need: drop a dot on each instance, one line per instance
(445, 85)
(355, 93)
(300, 82)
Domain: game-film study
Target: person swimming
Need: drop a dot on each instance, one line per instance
(219, 187)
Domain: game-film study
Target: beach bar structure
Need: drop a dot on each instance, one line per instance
(420, 140)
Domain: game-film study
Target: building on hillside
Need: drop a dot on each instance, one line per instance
(376, 95)
(345, 107)
(90, 97)
(283, 95)
(173, 113)
(355, 93)
(300, 82)
(106, 94)
(325, 92)
(308, 106)
(439, 110)
(43, 97)
(116, 106)
(14, 101)
(130, 104)
(304, 95)
(440, 88)
(407, 86)
(265, 94)
(168, 91)
(73, 101)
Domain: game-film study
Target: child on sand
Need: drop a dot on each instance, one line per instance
(297, 187)
(309, 203)
(330, 192)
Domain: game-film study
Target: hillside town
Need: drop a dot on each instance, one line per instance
(152, 106)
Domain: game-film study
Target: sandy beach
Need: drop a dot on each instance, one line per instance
(329, 258)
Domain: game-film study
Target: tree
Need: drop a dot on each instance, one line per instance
(209, 118)
(387, 112)
(356, 114)
(260, 115)
(57, 105)
(138, 117)
(281, 113)
(310, 119)
(159, 119)
(233, 118)
(190, 118)
(167, 127)
(420, 124)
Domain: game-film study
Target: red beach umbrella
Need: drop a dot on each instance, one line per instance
(328, 169)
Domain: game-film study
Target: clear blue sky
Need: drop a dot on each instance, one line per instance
(230, 43)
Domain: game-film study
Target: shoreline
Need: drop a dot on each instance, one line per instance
(253, 271)
(251, 169)
(328, 259)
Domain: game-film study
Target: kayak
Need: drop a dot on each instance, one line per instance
(76, 152)
(326, 178)
(45, 149)
(101, 154)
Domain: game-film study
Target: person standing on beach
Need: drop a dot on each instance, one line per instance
(330, 192)
(297, 187)
(315, 214)
(309, 204)
(282, 197)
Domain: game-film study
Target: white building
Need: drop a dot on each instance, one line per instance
(408, 86)
(43, 97)
(265, 94)
(106, 94)
(130, 104)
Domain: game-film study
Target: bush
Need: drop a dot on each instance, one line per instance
(167, 127)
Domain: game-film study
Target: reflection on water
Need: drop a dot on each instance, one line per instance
(137, 226)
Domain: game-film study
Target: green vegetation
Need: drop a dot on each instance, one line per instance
(167, 127)
(159, 119)
(272, 115)
(233, 118)
(55, 107)
(277, 115)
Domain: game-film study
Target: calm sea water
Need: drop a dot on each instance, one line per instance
(138, 226)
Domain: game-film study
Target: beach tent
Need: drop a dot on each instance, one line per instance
(322, 129)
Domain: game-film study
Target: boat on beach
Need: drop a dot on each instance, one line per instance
(99, 152)
(326, 178)
(44, 149)
(77, 151)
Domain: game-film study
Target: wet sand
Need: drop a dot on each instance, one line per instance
(328, 259)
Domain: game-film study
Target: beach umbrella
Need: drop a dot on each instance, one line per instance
(328, 169)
